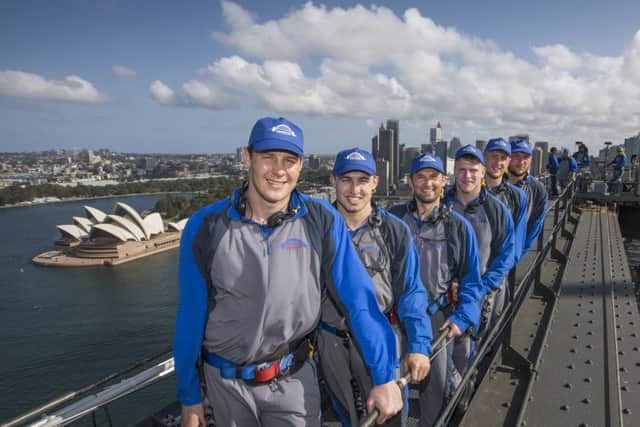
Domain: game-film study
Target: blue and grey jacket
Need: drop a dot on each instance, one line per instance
(493, 226)
(517, 202)
(387, 251)
(537, 196)
(248, 292)
(448, 251)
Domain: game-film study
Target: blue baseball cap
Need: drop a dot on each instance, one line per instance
(470, 150)
(354, 159)
(498, 144)
(276, 134)
(426, 160)
(521, 146)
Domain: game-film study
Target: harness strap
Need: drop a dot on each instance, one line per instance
(259, 372)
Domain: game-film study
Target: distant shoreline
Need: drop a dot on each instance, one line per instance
(76, 199)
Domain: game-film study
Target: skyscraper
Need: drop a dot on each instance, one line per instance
(481, 144)
(394, 125)
(435, 134)
(374, 147)
(386, 151)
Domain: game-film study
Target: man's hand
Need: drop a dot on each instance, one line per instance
(454, 331)
(193, 416)
(418, 364)
(387, 398)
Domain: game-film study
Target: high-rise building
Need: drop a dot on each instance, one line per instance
(544, 146)
(454, 145)
(408, 155)
(536, 162)
(394, 125)
(632, 146)
(435, 134)
(374, 147)
(386, 150)
(481, 144)
(314, 161)
(441, 151)
(382, 168)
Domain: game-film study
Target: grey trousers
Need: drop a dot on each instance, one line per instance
(432, 389)
(341, 366)
(293, 401)
(498, 303)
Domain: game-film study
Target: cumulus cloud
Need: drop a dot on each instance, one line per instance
(123, 72)
(28, 85)
(162, 93)
(193, 93)
(371, 63)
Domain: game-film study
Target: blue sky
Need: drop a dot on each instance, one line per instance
(168, 76)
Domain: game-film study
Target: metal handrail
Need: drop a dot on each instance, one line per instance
(522, 289)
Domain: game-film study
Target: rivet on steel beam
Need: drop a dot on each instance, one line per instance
(586, 400)
(567, 385)
(588, 362)
(575, 325)
(626, 411)
(587, 380)
(625, 388)
(589, 333)
(570, 366)
(573, 350)
(565, 407)
(622, 369)
(506, 404)
(589, 346)
(575, 337)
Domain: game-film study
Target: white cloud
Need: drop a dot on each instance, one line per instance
(369, 62)
(123, 72)
(193, 93)
(28, 85)
(162, 93)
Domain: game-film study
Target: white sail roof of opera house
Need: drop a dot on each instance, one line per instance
(111, 230)
(72, 231)
(126, 210)
(82, 222)
(178, 226)
(127, 224)
(153, 223)
(95, 214)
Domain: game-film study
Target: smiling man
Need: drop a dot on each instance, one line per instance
(449, 267)
(253, 271)
(493, 226)
(386, 249)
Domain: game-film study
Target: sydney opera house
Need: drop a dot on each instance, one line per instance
(99, 238)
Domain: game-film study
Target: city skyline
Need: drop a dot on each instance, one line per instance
(166, 78)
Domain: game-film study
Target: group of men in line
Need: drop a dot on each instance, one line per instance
(282, 294)
(566, 168)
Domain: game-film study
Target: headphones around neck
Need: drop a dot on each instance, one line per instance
(274, 220)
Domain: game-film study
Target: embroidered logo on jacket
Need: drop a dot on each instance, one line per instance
(371, 250)
(293, 243)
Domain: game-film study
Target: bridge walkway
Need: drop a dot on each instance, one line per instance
(573, 358)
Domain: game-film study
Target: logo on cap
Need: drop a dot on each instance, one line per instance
(427, 158)
(283, 129)
(355, 156)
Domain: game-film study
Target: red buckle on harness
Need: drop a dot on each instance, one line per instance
(266, 371)
(392, 315)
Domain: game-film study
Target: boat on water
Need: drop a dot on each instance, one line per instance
(99, 238)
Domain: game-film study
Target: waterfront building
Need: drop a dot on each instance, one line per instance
(109, 239)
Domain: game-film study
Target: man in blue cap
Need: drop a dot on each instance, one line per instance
(253, 271)
(449, 267)
(536, 193)
(496, 156)
(386, 249)
(492, 223)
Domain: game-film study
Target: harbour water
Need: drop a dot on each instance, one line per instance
(64, 328)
